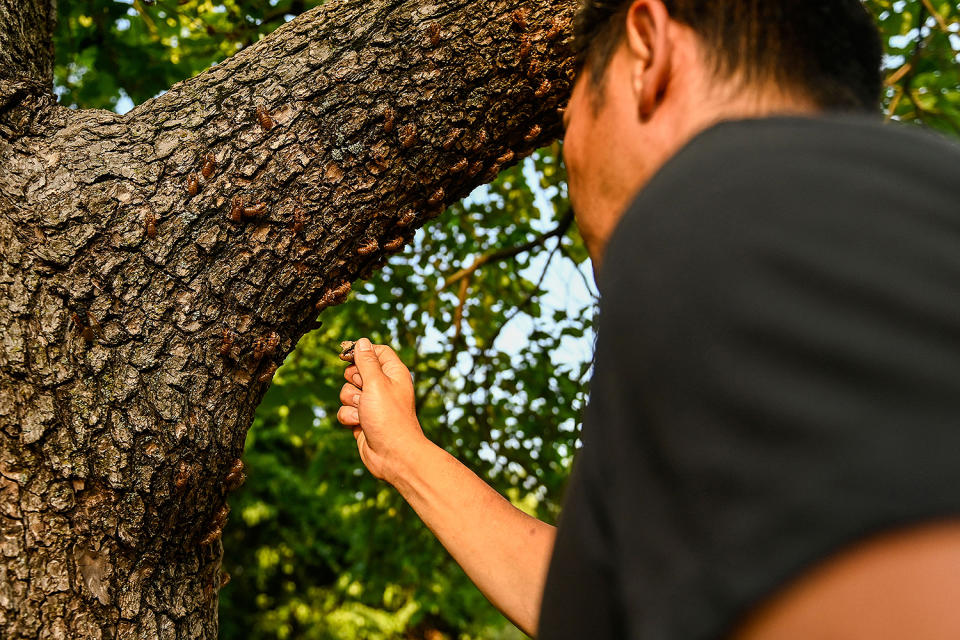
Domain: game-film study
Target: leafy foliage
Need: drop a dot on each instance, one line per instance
(500, 355)
(107, 49)
(329, 552)
(923, 41)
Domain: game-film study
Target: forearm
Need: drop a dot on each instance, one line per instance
(503, 550)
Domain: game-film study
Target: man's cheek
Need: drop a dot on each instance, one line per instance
(573, 157)
(573, 188)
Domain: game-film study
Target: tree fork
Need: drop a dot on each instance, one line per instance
(156, 267)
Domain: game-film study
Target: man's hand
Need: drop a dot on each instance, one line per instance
(378, 403)
(503, 550)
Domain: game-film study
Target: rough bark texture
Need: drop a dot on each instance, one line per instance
(157, 266)
(26, 43)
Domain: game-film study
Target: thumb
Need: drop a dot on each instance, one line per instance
(367, 361)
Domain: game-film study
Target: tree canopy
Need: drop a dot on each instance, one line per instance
(492, 308)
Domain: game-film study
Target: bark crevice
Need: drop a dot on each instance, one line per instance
(158, 266)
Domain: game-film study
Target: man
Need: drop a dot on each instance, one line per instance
(772, 444)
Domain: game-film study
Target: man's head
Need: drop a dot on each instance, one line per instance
(653, 73)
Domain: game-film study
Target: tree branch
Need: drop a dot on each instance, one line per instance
(509, 252)
(458, 312)
(936, 15)
(159, 265)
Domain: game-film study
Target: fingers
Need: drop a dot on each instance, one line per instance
(350, 395)
(367, 361)
(352, 374)
(385, 354)
(349, 417)
(349, 414)
(390, 362)
(377, 360)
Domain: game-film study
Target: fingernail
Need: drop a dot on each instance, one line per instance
(356, 398)
(356, 380)
(363, 344)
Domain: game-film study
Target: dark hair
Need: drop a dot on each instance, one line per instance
(828, 50)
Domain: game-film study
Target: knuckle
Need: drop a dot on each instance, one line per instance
(347, 416)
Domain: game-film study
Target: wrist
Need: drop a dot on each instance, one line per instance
(402, 470)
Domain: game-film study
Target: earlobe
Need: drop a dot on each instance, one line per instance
(649, 96)
(639, 93)
(637, 82)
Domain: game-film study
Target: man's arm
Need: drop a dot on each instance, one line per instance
(904, 584)
(503, 550)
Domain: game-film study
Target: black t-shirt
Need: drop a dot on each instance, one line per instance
(777, 374)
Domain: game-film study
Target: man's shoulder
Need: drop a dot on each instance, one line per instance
(751, 211)
(748, 154)
(827, 133)
(749, 184)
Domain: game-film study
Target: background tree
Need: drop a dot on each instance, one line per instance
(157, 266)
(320, 549)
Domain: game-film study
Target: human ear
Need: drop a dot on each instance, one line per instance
(648, 42)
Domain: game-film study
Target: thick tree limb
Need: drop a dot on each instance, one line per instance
(26, 41)
(156, 267)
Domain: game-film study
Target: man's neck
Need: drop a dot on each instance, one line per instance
(732, 103)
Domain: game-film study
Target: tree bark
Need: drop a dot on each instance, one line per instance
(157, 266)
(26, 39)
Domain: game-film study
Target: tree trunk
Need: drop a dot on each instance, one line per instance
(157, 266)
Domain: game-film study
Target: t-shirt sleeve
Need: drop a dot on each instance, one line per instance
(579, 598)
